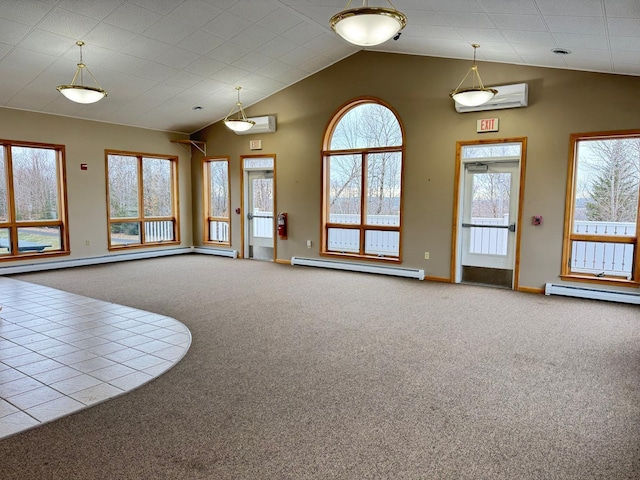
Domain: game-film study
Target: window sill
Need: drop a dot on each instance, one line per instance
(31, 256)
(142, 245)
(210, 243)
(353, 256)
(620, 282)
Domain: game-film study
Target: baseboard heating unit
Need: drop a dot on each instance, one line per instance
(221, 252)
(592, 293)
(84, 262)
(359, 267)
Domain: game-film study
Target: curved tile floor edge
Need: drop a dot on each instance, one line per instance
(61, 352)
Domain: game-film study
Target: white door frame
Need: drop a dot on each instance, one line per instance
(246, 201)
(495, 259)
(515, 206)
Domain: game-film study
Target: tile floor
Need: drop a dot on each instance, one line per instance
(61, 352)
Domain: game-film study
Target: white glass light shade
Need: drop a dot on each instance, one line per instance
(239, 125)
(477, 94)
(473, 97)
(368, 26)
(81, 94)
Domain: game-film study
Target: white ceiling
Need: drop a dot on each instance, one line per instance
(160, 58)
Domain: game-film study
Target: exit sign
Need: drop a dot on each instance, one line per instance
(487, 125)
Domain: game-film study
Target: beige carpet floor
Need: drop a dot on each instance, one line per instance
(302, 373)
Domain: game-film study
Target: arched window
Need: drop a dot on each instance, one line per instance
(362, 182)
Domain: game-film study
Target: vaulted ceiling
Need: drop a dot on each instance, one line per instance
(158, 59)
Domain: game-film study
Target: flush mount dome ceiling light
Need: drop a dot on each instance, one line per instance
(477, 94)
(367, 26)
(78, 92)
(241, 123)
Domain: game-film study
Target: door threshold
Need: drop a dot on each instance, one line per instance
(490, 285)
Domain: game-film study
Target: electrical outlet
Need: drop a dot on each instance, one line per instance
(426, 255)
(87, 242)
(309, 243)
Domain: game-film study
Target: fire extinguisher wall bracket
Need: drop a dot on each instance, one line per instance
(282, 225)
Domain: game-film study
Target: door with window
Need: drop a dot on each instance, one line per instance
(488, 214)
(259, 212)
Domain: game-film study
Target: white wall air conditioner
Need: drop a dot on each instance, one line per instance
(266, 124)
(508, 96)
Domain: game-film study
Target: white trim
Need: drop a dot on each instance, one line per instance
(592, 293)
(359, 267)
(81, 262)
(221, 252)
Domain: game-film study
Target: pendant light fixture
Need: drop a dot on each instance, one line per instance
(241, 123)
(477, 94)
(367, 26)
(79, 92)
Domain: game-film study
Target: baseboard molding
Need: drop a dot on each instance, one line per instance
(438, 279)
(283, 262)
(83, 262)
(531, 290)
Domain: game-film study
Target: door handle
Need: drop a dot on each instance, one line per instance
(512, 227)
(250, 216)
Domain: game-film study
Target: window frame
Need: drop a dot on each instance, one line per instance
(208, 217)
(13, 225)
(141, 218)
(362, 227)
(570, 203)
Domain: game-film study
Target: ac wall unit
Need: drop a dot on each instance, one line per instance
(266, 124)
(508, 96)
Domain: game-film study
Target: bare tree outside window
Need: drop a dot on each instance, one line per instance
(32, 209)
(4, 201)
(491, 192)
(156, 178)
(602, 228)
(219, 188)
(35, 183)
(262, 195)
(217, 221)
(142, 207)
(123, 186)
(491, 195)
(363, 172)
(345, 187)
(608, 179)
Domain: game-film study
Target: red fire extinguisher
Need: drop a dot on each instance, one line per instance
(282, 225)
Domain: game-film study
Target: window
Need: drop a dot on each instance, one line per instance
(362, 182)
(141, 199)
(601, 234)
(33, 210)
(216, 201)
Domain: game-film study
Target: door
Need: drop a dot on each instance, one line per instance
(488, 213)
(259, 224)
